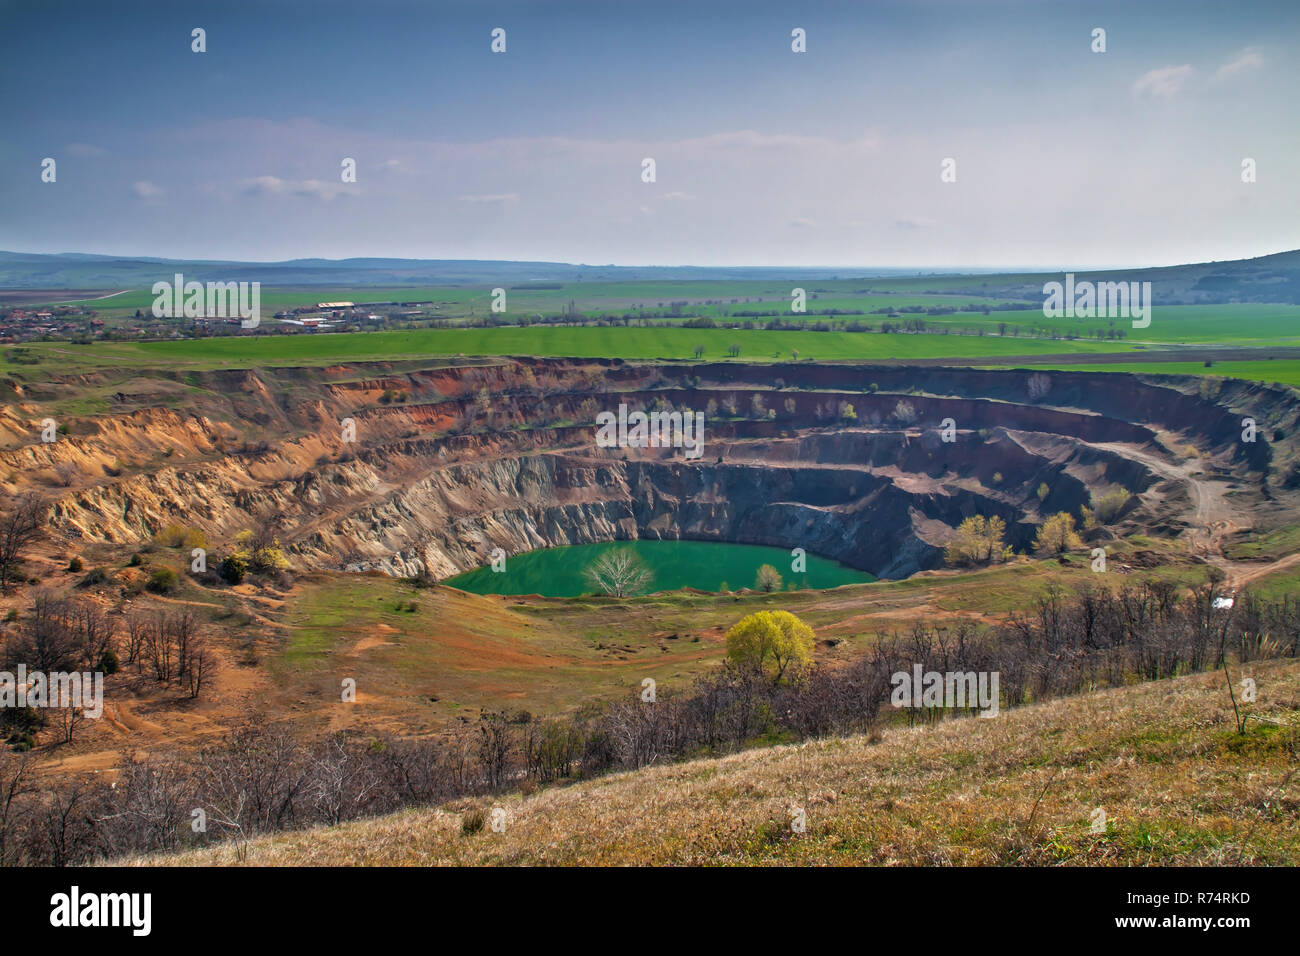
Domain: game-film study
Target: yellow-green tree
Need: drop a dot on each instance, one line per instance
(1056, 535)
(1108, 506)
(260, 550)
(771, 640)
(979, 540)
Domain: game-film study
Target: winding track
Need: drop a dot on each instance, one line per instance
(1214, 518)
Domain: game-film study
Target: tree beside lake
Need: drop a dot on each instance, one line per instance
(619, 573)
(768, 579)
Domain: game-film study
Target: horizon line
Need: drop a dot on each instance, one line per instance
(918, 270)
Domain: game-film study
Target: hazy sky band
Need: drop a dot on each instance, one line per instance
(763, 156)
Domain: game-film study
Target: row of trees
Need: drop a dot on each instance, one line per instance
(59, 637)
(169, 647)
(263, 778)
(70, 635)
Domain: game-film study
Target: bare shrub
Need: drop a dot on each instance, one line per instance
(66, 473)
(904, 412)
(1038, 386)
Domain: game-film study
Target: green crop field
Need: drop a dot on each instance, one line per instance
(574, 341)
(715, 299)
(1000, 336)
(1246, 324)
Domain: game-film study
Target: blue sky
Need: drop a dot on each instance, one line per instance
(1065, 157)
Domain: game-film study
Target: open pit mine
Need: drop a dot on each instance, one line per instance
(423, 469)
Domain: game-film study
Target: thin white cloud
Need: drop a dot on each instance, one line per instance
(1163, 82)
(263, 184)
(1248, 59)
(748, 139)
(275, 186)
(85, 150)
(147, 191)
(491, 198)
(871, 197)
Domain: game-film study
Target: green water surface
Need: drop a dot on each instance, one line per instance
(707, 565)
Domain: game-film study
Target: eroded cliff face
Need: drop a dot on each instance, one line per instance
(450, 462)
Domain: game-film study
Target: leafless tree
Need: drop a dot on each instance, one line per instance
(69, 824)
(494, 747)
(15, 783)
(137, 638)
(48, 644)
(158, 649)
(67, 720)
(341, 782)
(198, 665)
(182, 628)
(230, 817)
(156, 801)
(93, 633)
(20, 527)
(457, 759)
(255, 778)
(552, 748)
(618, 573)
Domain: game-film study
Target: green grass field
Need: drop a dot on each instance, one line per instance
(1267, 547)
(1281, 371)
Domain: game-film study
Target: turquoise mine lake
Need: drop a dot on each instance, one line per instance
(707, 565)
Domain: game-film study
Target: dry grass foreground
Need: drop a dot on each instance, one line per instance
(1177, 783)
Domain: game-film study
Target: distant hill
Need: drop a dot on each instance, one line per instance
(1272, 278)
(20, 270)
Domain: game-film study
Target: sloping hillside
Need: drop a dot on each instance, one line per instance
(1164, 762)
(1271, 278)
